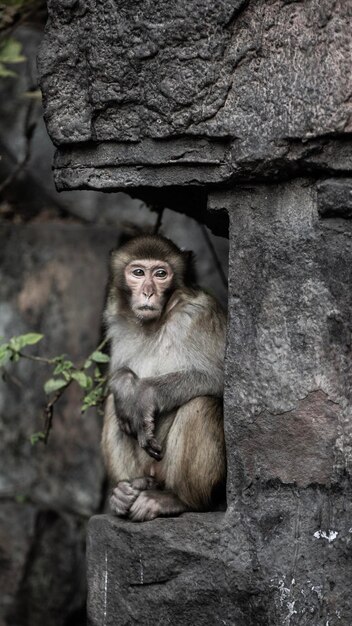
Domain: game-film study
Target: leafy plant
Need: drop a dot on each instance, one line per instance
(13, 13)
(10, 52)
(89, 376)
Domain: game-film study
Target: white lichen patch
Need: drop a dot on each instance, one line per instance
(318, 590)
(330, 535)
(286, 601)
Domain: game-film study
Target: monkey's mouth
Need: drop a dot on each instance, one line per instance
(147, 307)
(147, 312)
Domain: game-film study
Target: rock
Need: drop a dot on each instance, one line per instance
(43, 574)
(170, 571)
(335, 198)
(175, 95)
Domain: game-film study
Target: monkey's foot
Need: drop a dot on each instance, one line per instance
(152, 504)
(125, 494)
(122, 498)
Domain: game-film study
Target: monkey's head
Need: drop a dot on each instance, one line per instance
(146, 271)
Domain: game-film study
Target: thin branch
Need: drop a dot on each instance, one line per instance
(101, 345)
(20, 17)
(158, 221)
(29, 128)
(6, 376)
(39, 359)
(214, 255)
(49, 412)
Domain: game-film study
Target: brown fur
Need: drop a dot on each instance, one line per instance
(190, 434)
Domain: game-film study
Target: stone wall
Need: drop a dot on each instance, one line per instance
(240, 108)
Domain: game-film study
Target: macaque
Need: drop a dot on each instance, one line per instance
(163, 439)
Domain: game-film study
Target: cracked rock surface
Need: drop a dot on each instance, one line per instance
(193, 93)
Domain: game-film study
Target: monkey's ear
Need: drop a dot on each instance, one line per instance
(190, 276)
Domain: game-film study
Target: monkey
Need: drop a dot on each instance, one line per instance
(163, 439)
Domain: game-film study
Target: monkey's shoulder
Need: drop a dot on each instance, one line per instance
(199, 304)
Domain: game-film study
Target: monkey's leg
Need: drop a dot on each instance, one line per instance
(123, 457)
(127, 464)
(194, 463)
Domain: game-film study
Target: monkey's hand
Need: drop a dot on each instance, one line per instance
(147, 410)
(136, 408)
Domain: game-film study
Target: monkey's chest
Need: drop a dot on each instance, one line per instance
(153, 355)
(158, 357)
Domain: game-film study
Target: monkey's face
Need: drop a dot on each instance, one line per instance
(149, 282)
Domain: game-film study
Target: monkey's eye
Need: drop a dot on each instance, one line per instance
(160, 273)
(138, 272)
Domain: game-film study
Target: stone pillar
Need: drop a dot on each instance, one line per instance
(288, 397)
(280, 553)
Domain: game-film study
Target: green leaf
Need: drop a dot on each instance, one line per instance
(82, 379)
(14, 344)
(37, 437)
(30, 339)
(62, 367)
(100, 357)
(10, 51)
(94, 397)
(54, 384)
(59, 358)
(5, 353)
(87, 364)
(17, 343)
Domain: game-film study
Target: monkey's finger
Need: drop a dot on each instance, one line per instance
(154, 449)
(150, 445)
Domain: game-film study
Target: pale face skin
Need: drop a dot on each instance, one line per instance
(148, 281)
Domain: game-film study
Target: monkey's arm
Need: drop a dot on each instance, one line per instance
(175, 389)
(135, 408)
(138, 401)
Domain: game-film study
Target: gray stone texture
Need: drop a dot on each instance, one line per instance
(288, 359)
(243, 107)
(132, 90)
(335, 198)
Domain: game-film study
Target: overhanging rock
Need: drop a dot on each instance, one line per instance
(157, 94)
